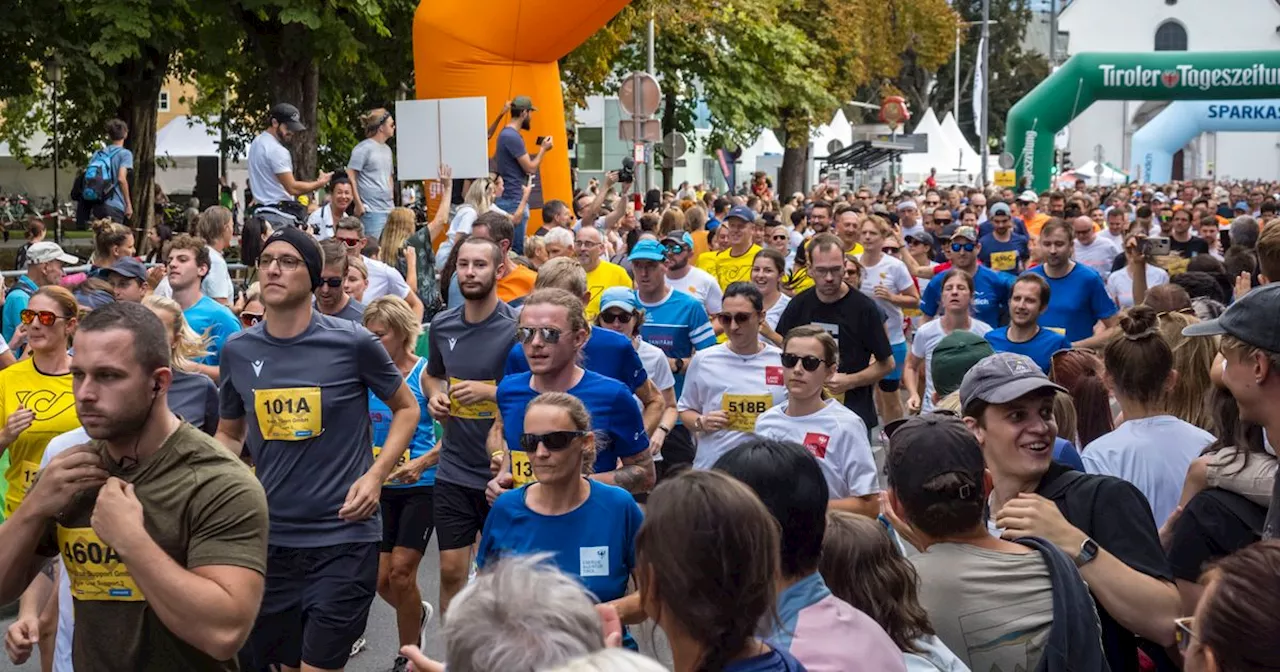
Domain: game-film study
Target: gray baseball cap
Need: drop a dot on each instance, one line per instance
(1254, 319)
(1004, 377)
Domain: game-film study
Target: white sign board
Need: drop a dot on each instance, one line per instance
(447, 130)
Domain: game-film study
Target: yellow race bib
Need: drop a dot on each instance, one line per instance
(1057, 330)
(289, 413)
(481, 410)
(1004, 261)
(521, 468)
(26, 475)
(404, 459)
(743, 409)
(95, 570)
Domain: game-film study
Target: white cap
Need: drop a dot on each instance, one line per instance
(1029, 196)
(46, 251)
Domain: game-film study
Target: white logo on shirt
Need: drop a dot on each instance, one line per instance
(257, 368)
(593, 561)
(452, 342)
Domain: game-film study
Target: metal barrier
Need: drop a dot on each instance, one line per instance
(85, 267)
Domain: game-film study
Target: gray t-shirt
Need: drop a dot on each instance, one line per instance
(194, 398)
(994, 610)
(305, 403)
(464, 351)
(354, 311)
(373, 163)
(268, 158)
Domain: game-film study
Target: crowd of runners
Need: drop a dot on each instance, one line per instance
(913, 428)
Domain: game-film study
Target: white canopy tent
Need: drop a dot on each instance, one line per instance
(178, 145)
(1088, 172)
(941, 156)
(970, 160)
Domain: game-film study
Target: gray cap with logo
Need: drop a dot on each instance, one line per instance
(1002, 378)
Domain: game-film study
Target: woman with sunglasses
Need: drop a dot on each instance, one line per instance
(251, 308)
(589, 526)
(193, 396)
(40, 382)
(957, 297)
(766, 274)
(729, 385)
(832, 433)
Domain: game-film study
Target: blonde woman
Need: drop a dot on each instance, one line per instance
(478, 200)
(357, 280)
(193, 395)
(1192, 359)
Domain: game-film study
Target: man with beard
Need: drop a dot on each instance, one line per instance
(180, 591)
(1002, 248)
(819, 217)
(684, 277)
(271, 169)
(330, 299)
(295, 397)
(990, 288)
(515, 165)
(1023, 334)
(1079, 296)
(469, 346)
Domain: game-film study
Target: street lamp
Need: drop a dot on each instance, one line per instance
(53, 73)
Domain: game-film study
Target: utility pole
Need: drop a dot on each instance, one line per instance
(1053, 33)
(986, 87)
(648, 146)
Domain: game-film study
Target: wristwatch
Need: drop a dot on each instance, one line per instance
(665, 430)
(1088, 552)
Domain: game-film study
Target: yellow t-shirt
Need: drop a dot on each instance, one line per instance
(730, 269)
(54, 405)
(798, 280)
(605, 276)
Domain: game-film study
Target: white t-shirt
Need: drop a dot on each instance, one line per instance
(702, 286)
(1098, 255)
(463, 221)
(836, 437)
(655, 364)
(216, 284)
(893, 274)
(719, 379)
(383, 280)
(774, 313)
(268, 158)
(66, 607)
(1117, 240)
(1120, 284)
(1151, 453)
(321, 221)
(926, 340)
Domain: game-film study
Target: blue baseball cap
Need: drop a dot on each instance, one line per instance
(648, 250)
(1242, 205)
(741, 212)
(619, 297)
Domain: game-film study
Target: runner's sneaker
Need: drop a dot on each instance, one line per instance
(358, 646)
(401, 664)
(427, 611)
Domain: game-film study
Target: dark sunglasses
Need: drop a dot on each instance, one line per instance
(944, 221)
(611, 317)
(45, 317)
(550, 335)
(967, 247)
(738, 318)
(554, 441)
(250, 319)
(780, 237)
(332, 282)
(889, 250)
(809, 362)
(350, 242)
(1183, 634)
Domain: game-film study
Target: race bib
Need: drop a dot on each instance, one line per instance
(289, 413)
(1176, 265)
(404, 459)
(912, 313)
(26, 476)
(1057, 330)
(95, 570)
(1004, 261)
(481, 410)
(521, 468)
(743, 409)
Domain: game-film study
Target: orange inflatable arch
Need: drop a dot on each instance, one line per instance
(506, 48)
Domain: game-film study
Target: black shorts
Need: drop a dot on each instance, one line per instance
(887, 385)
(460, 514)
(315, 606)
(677, 453)
(407, 518)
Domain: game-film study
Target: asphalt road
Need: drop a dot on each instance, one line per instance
(381, 634)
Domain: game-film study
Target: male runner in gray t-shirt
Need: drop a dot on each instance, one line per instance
(295, 395)
(469, 345)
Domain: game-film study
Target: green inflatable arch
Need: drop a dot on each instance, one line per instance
(1167, 75)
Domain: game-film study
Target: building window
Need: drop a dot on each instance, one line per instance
(164, 101)
(1171, 36)
(590, 148)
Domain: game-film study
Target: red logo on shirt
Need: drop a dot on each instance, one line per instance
(816, 444)
(773, 375)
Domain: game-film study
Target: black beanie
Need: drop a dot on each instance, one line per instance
(305, 245)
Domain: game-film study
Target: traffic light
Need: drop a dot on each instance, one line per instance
(1067, 165)
(1057, 161)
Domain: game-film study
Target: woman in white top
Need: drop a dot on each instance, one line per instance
(957, 296)
(833, 434)
(1120, 283)
(480, 197)
(887, 281)
(620, 311)
(767, 270)
(728, 386)
(341, 196)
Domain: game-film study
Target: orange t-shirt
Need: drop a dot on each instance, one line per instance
(1034, 224)
(517, 283)
(700, 245)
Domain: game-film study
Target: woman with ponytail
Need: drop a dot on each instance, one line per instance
(1151, 449)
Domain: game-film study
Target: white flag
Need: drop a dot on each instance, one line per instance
(977, 92)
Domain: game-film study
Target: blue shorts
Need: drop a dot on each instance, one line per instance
(374, 223)
(899, 361)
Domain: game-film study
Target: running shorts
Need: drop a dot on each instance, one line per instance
(408, 517)
(460, 514)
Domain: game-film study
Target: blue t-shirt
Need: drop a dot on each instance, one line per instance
(1077, 301)
(987, 227)
(424, 437)
(1006, 257)
(608, 353)
(614, 413)
(120, 158)
(507, 156)
(991, 290)
(1065, 452)
(678, 326)
(1040, 348)
(774, 661)
(208, 317)
(15, 303)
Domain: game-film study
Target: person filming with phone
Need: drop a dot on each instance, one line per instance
(515, 165)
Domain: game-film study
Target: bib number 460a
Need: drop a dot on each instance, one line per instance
(748, 406)
(90, 553)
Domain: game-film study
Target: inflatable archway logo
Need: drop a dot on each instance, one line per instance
(1088, 77)
(1155, 143)
(506, 48)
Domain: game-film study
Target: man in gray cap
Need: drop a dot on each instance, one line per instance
(1003, 248)
(271, 169)
(1102, 522)
(1250, 346)
(516, 166)
(128, 279)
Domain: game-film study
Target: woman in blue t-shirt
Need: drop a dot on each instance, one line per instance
(708, 564)
(590, 527)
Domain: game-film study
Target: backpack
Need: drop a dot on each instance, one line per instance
(99, 178)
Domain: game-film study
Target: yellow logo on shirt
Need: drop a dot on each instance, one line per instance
(46, 404)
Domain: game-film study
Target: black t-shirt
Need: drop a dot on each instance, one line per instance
(1115, 514)
(855, 322)
(1214, 524)
(1190, 248)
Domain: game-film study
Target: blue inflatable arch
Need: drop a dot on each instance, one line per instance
(1183, 120)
